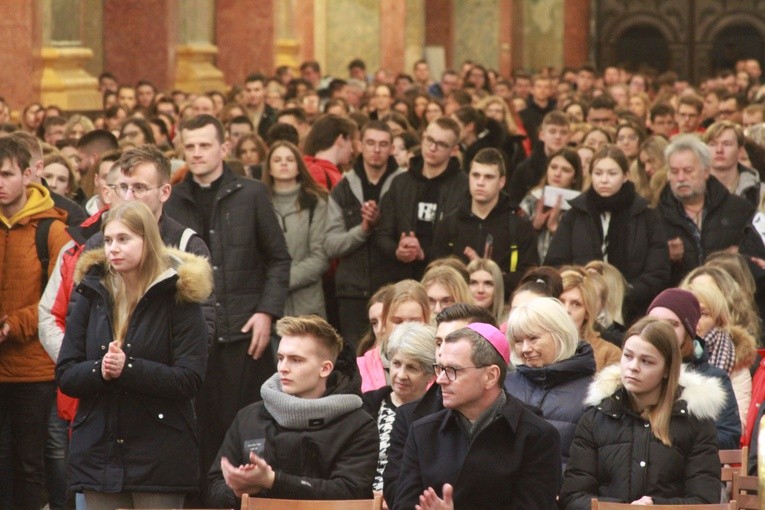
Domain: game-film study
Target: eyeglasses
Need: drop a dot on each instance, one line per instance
(429, 142)
(451, 372)
(138, 190)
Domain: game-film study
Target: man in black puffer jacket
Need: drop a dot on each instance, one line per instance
(309, 438)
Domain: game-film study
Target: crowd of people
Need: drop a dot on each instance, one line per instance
(472, 292)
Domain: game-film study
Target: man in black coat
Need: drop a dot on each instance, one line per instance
(309, 438)
(251, 267)
(449, 319)
(485, 449)
(700, 216)
(486, 226)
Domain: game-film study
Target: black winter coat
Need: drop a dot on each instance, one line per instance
(578, 241)
(398, 213)
(248, 252)
(514, 463)
(332, 460)
(616, 457)
(462, 228)
(527, 174)
(558, 390)
(136, 433)
(723, 224)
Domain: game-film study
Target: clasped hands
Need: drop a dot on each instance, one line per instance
(248, 478)
(113, 362)
(409, 248)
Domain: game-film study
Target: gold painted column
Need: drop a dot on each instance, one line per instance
(64, 81)
(195, 70)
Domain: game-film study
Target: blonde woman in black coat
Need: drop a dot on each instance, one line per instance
(135, 354)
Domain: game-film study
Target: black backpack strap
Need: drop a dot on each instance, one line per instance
(513, 231)
(43, 255)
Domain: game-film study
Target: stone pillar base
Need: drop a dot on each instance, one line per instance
(65, 82)
(287, 53)
(195, 71)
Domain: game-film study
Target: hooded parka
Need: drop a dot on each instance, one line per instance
(136, 433)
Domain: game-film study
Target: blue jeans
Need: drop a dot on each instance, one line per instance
(26, 406)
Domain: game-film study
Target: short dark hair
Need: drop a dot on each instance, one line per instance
(55, 120)
(202, 120)
(325, 131)
(281, 131)
(357, 63)
(692, 100)
(491, 156)
(661, 110)
(376, 125)
(465, 312)
(448, 124)
(241, 119)
(295, 111)
(311, 64)
(255, 77)
(15, 151)
(468, 114)
(603, 102)
(99, 140)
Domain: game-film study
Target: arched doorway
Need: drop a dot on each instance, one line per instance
(736, 42)
(643, 46)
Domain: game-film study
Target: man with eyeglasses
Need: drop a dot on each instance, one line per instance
(352, 219)
(688, 115)
(448, 320)
(730, 108)
(419, 199)
(662, 120)
(485, 449)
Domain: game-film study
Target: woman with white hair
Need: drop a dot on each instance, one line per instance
(553, 367)
(412, 353)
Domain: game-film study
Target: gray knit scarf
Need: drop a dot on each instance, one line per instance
(303, 413)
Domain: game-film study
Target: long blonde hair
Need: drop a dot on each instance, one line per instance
(660, 334)
(491, 267)
(137, 217)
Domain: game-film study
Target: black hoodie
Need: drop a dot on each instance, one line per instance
(417, 204)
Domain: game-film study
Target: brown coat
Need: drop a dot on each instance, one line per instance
(22, 357)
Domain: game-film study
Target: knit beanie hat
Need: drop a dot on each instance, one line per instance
(683, 304)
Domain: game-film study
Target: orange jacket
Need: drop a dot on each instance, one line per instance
(22, 357)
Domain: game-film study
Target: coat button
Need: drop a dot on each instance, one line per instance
(130, 365)
(682, 411)
(103, 347)
(120, 441)
(647, 425)
(215, 268)
(642, 463)
(212, 231)
(128, 346)
(160, 416)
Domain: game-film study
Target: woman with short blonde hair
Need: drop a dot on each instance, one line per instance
(553, 368)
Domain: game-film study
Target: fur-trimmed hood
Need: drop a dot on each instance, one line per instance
(746, 347)
(194, 283)
(704, 396)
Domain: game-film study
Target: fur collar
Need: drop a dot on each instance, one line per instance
(194, 283)
(746, 347)
(704, 396)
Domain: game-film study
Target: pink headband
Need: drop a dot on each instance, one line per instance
(494, 337)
